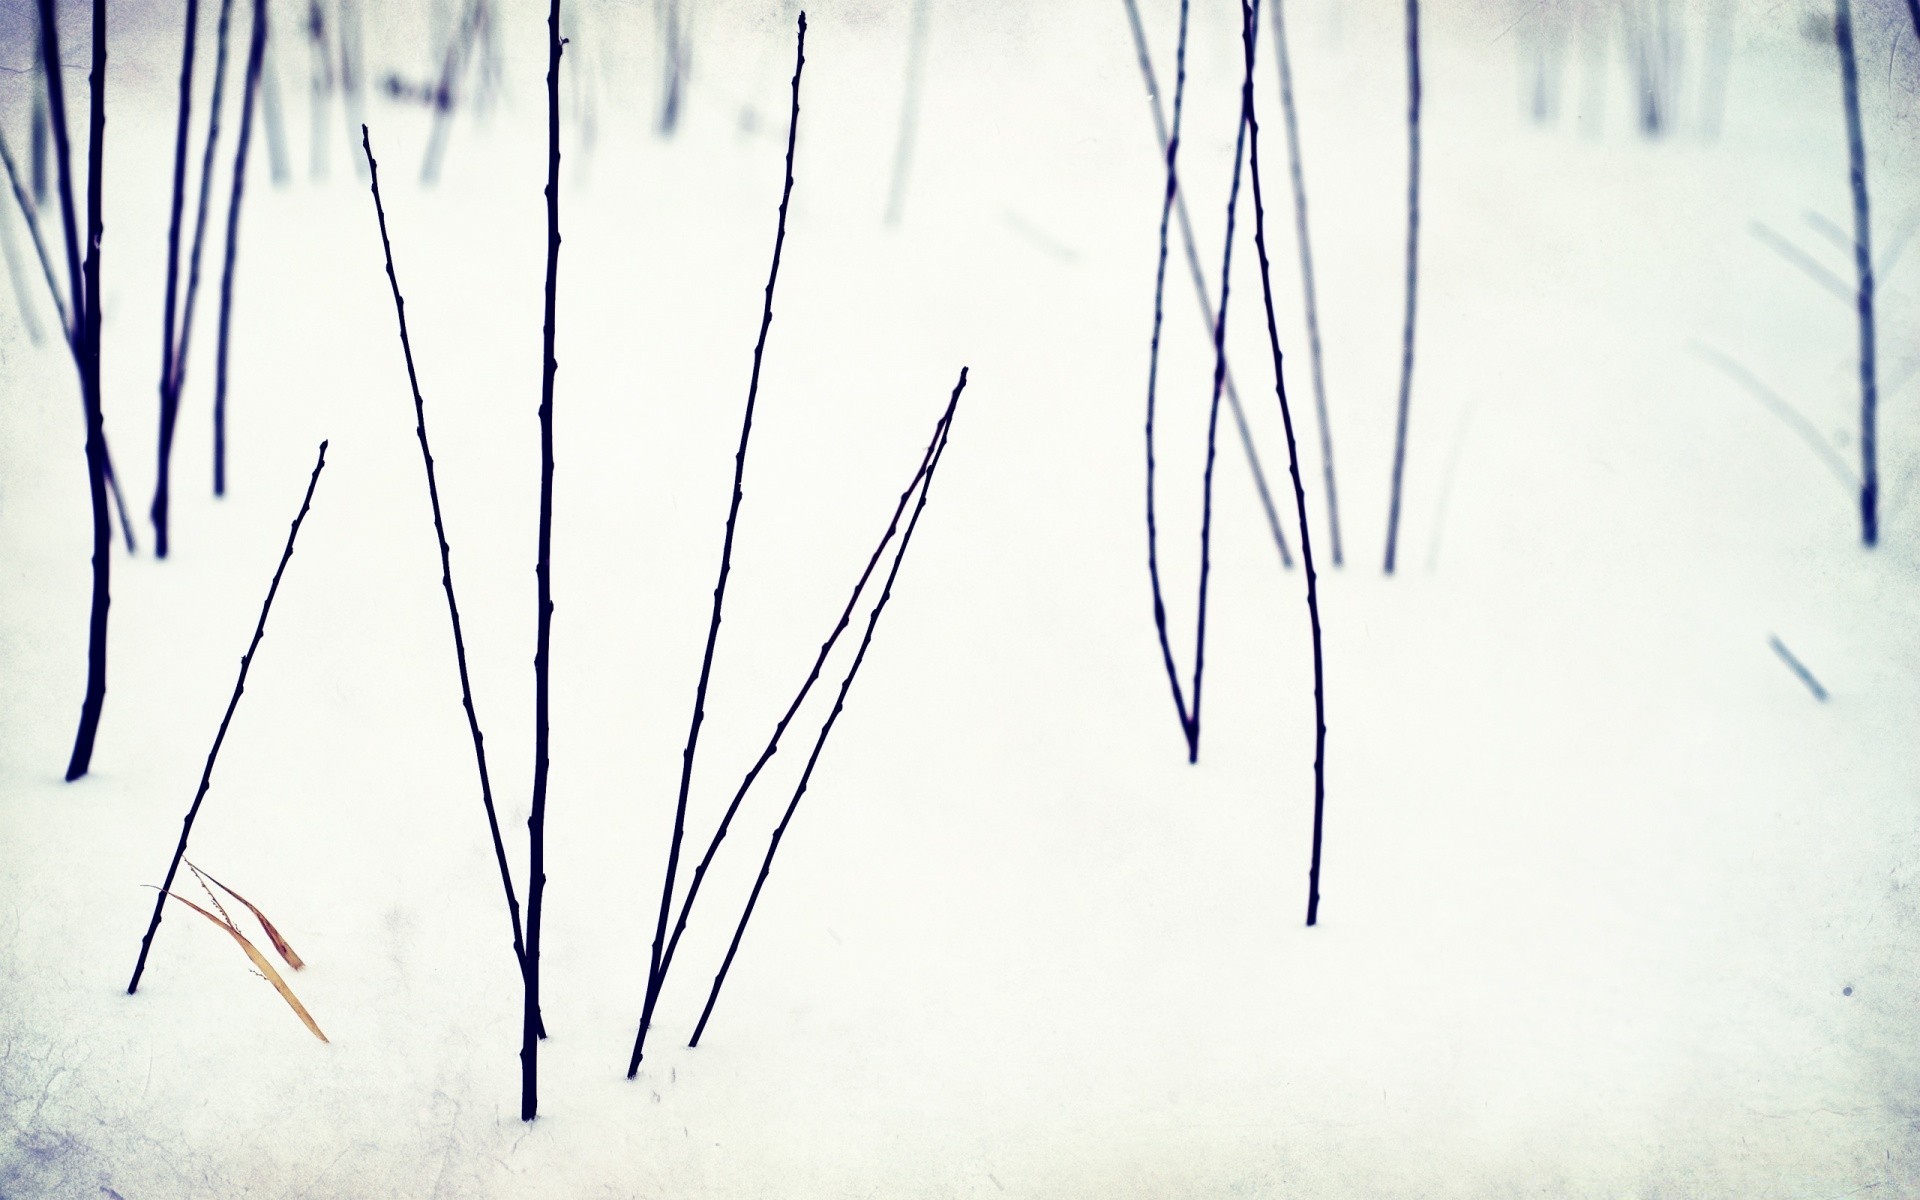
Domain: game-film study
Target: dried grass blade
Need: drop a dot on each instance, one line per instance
(273, 935)
(260, 961)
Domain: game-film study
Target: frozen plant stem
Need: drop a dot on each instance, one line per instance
(773, 743)
(446, 565)
(168, 334)
(1213, 427)
(256, 54)
(239, 686)
(1863, 272)
(1201, 293)
(1413, 264)
(1250, 28)
(839, 704)
(1298, 175)
(183, 335)
(87, 309)
(537, 819)
(1153, 379)
(654, 969)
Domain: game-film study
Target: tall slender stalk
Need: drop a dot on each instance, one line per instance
(1250, 30)
(1202, 292)
(256, 55)
(220, 735)
(1863, 273)
(543, 571)
(1213, 425)
(780, 727)
(89, 311)
(184, 338)
(446, 566)
(654, 970)
(1297, 173)
(1413, 265)
(1153, 379)
(826, 729)
(169, 324)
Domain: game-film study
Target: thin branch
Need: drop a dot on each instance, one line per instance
(780, 727)
(256, 54)
(1776, 404)
(1250, 28)
(1413, 265)
(96, 693)
(239, 687)
(1202, 292)
(826, 729)
(1863, 273)
(1798, 668)
(543, 571)
(1800, 258)
(655, 968)
(1297, 173)
(446, 565)
(1153, 380)
(169, 323)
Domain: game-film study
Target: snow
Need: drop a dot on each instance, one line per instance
(1612, 905)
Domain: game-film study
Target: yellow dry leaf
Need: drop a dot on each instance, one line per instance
(260, 961)
(273, 935)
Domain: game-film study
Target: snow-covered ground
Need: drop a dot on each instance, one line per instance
(1613, 906)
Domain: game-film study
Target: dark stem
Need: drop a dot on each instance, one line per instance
(239, 686)
(256, 54)
(773, 743)
(1297, 172)
(537, 819)
(1250, 28)
(655, 967)
(96, 694)
(169, 328)
(446, 565)
(1153, 379)
(1413, 263)
(184, 335)
(1201, 292)
(1863, 272)
(839, 704)
(1213, 425)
